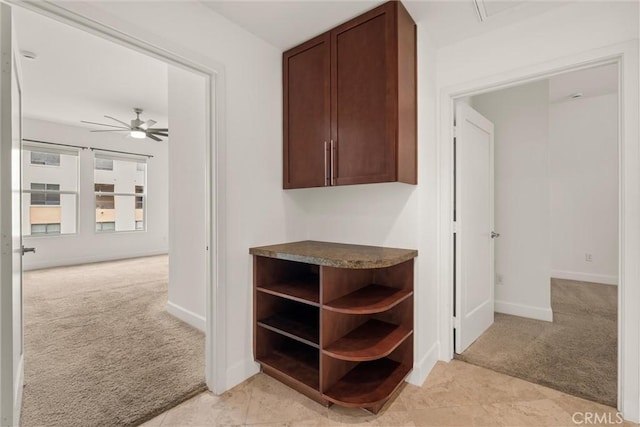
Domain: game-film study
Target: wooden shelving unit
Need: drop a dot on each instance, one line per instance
(331, 325)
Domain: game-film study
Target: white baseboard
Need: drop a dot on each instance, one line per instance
(585, 277)
(240, 372)
(524, 310)
(187, 316)
(424, 366)
(52, 262)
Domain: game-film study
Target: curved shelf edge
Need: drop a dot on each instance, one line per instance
(371, 341)
(369, 300)
(357, 390)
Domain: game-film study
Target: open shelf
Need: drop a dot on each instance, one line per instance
(292, 326)
(368, 300)
(295, 361)
(303, 289)
(373, 340)
(338, 335)
(368, 384)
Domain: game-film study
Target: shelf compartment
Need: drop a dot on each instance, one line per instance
(366, 336)
(292, 319)
(370, 290)
(294, 327)
(369, 384)
(303, 289)
(372, 340)
(296, 361)
(369, 300)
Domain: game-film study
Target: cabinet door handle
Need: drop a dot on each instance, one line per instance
(326, 178)
(333, 161)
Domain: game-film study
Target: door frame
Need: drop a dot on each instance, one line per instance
(214, 74)
(12, 383)
(626, 56)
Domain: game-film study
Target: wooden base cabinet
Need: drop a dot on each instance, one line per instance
(337, 335)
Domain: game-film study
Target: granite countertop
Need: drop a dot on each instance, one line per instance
(336, 254)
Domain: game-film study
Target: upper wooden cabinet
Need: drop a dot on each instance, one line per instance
(350, 103)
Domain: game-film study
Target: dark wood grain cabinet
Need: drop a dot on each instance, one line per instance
(339, 334)
(350, 103)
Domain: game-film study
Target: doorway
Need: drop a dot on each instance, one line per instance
(625, 55)
(556, 167)
(207, 182)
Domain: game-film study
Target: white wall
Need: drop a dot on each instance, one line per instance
(559, 32)
(187, 204)
(522, 213)
(583, 138)
(87, 245)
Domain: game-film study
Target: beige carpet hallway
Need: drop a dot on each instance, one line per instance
(100, 348)
(576, 354)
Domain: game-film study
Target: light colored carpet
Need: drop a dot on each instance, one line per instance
(100, 348)
(576, 354)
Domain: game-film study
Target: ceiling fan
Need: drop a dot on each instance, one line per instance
(137, 129)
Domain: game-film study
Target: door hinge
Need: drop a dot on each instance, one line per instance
(454, 226)
(455, 131)
(456, 323)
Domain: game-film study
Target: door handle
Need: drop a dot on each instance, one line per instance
(494, 235)
(333, 160)
(25, 250)
(326, 178)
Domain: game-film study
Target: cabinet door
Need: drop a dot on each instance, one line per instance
(364, 98)
(306, 73)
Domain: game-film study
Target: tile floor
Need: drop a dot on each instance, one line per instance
(454, 394)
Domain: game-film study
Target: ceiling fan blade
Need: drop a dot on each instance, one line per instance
(155, 138)
(119, 121)
(102, 124)
(146, 125)
(158, 129)
(111, 130)
(158, 133)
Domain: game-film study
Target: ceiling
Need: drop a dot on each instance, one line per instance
(285, 24)
(590, 82)
(78, 76)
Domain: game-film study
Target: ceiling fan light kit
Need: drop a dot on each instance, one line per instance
(138, 134)
(138, 128)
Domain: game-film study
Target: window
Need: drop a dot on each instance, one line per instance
(42, 158)
(140, 199)
(102, 201)
(49, 195)
(104, 164)
(105, 226)
(45, 228)
(120, 192)
(45, 194)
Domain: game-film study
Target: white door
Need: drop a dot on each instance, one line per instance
(474, 257)
(11, 347)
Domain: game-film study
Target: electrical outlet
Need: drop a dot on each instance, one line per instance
(588, 257)
(499, 281)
